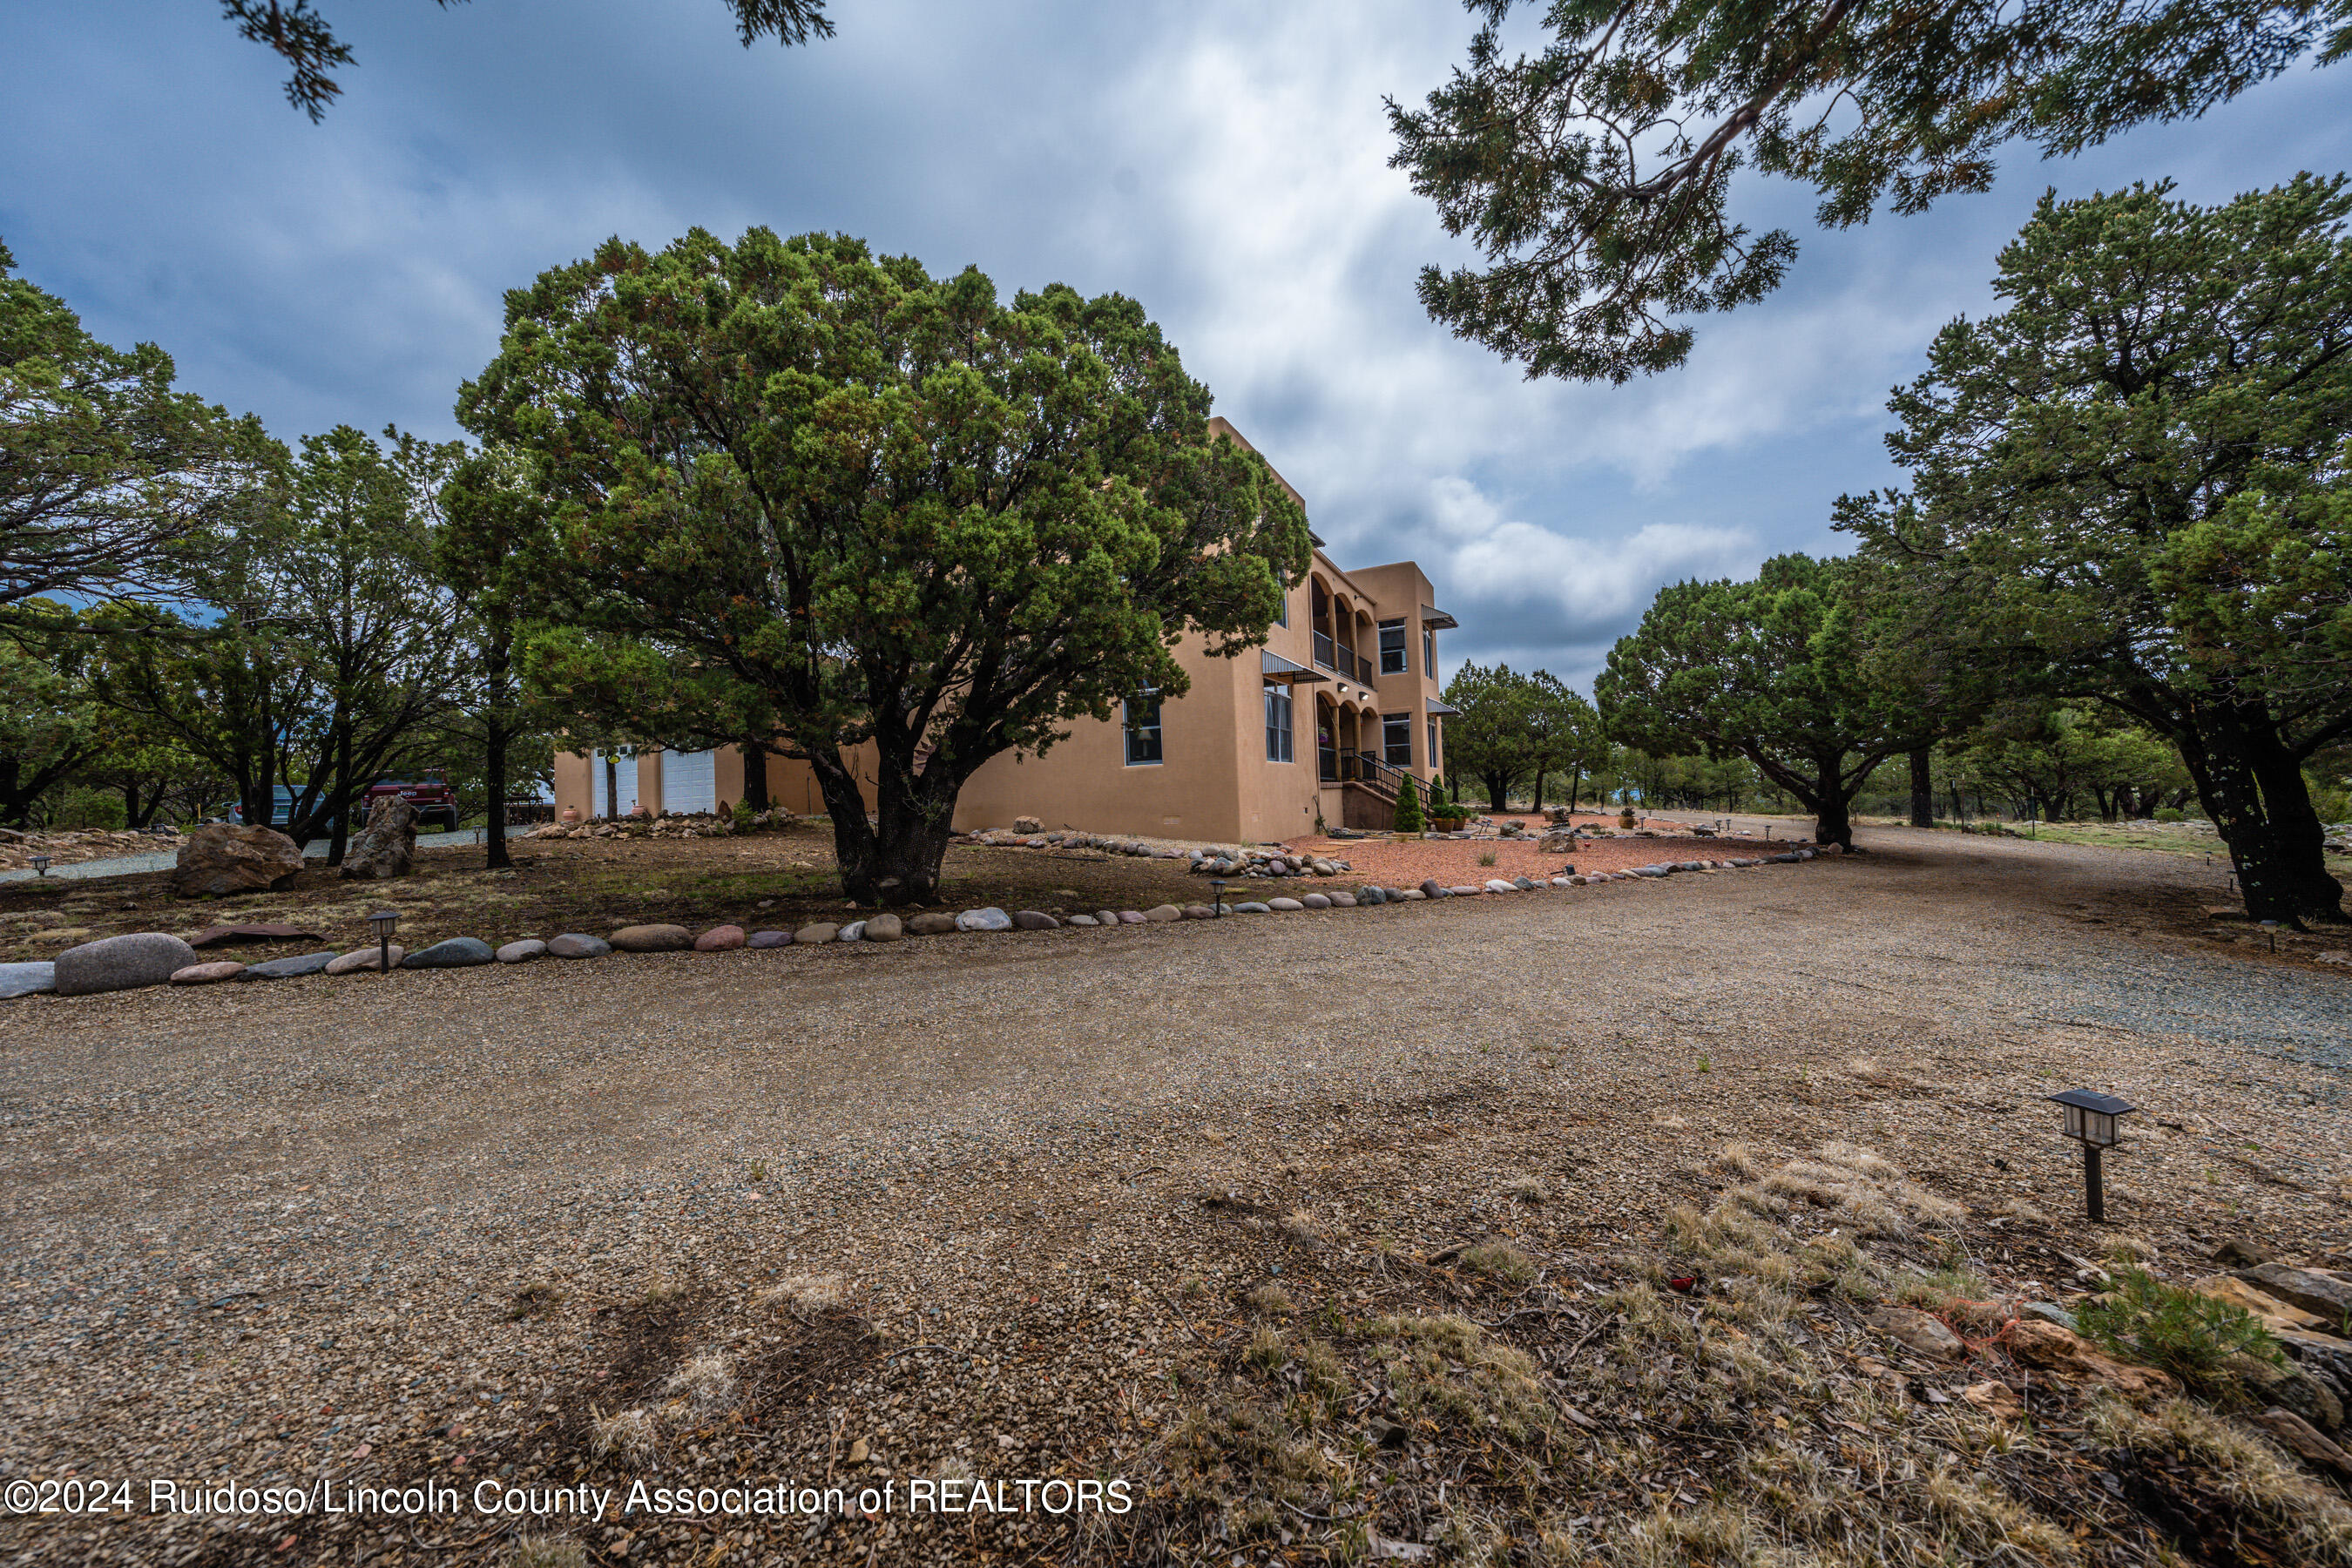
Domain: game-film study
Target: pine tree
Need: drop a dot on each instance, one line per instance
(1408, 807)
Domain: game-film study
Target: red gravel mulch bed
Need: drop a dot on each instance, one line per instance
(1455, 861)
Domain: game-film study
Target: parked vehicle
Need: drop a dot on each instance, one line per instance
(281, 809)
(429, 792)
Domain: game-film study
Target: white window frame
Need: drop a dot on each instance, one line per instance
(1279, 692)
(1129, 730)
(1390, 724)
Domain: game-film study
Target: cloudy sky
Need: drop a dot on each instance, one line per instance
(1224, 163)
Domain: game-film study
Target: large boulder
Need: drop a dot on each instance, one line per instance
(456, 953)
(387, 847)
(223, 857)
(294, 968)
(28, 979)
(652, 938)
(366, 958)
(122, 962)
(932, 922)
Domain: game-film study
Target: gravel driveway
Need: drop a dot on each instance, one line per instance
(297, 1229)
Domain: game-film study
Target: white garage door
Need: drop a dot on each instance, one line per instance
(689, 781)
(622, 799)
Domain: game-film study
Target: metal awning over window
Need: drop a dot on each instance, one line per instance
(1442, 708)
(1431, 616)
(1277, 668)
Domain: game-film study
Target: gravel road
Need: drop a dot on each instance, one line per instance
(277, 1229)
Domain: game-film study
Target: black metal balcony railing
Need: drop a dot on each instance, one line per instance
(1323, 651)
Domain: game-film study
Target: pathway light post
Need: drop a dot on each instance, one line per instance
(41, 865)
(382, 923)
(1217, 896)
(2090, 1121)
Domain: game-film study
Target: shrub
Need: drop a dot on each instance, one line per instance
(87, 808)
(2190, 1335)
(2168, 814)
(1408, 807)
(1486, 857)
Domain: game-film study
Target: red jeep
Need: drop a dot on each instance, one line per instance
(429, 792)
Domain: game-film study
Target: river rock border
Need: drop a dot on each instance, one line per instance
(98, 958)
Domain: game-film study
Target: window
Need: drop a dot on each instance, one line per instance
(1282, 615)
(1143, 728)
(1429, 653)
(1393, 648)
(1279, 723)
(1396, 739)
(1432, 745)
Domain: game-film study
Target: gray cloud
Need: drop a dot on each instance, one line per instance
(1224, 163)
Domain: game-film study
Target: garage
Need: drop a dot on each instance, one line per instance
(689, 781)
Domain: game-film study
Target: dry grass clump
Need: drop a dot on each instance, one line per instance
(2256, 1480)
(1735, 1159)
(1864, 1187)
(547, 1552)
(1525, 1189)
(1301, 1225)
(634, 1435)
(1710, 1405)
(1499, 1260)
(805, 1292)
(705, 1385)
(1270, 1301)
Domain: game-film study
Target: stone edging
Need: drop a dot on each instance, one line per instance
(135, 960)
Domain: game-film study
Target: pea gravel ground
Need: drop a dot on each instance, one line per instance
(974, 1205)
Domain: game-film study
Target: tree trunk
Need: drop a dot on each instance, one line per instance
(2255, 793)
(611, 788)
(499, 662)
(1832, 823)
(1498, 790)
(495, 855)
(755, 776)
(340, 836)
(1922, 789)
(1575, 782)
(1539, 783)
(892, 859)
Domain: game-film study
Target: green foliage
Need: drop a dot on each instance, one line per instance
(1781, 670)
(2067, 759)
(107, 472)
(2170, 814)
(326, 644)
(2185, 1333)
(1408, 807)
(1494, 735)
(791, 482)
(48, 726)
(83, 806)
(1595, 176)
(2134, 474)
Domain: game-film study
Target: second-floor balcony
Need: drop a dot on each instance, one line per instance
(1325, 653)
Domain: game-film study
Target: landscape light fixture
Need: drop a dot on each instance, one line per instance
(41, 865)
(381, 922)
(1217, 894)
(2090, 1121)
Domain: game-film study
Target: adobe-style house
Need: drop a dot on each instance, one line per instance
(1316, 726)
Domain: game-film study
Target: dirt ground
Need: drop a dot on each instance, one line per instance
(1433, 1231)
